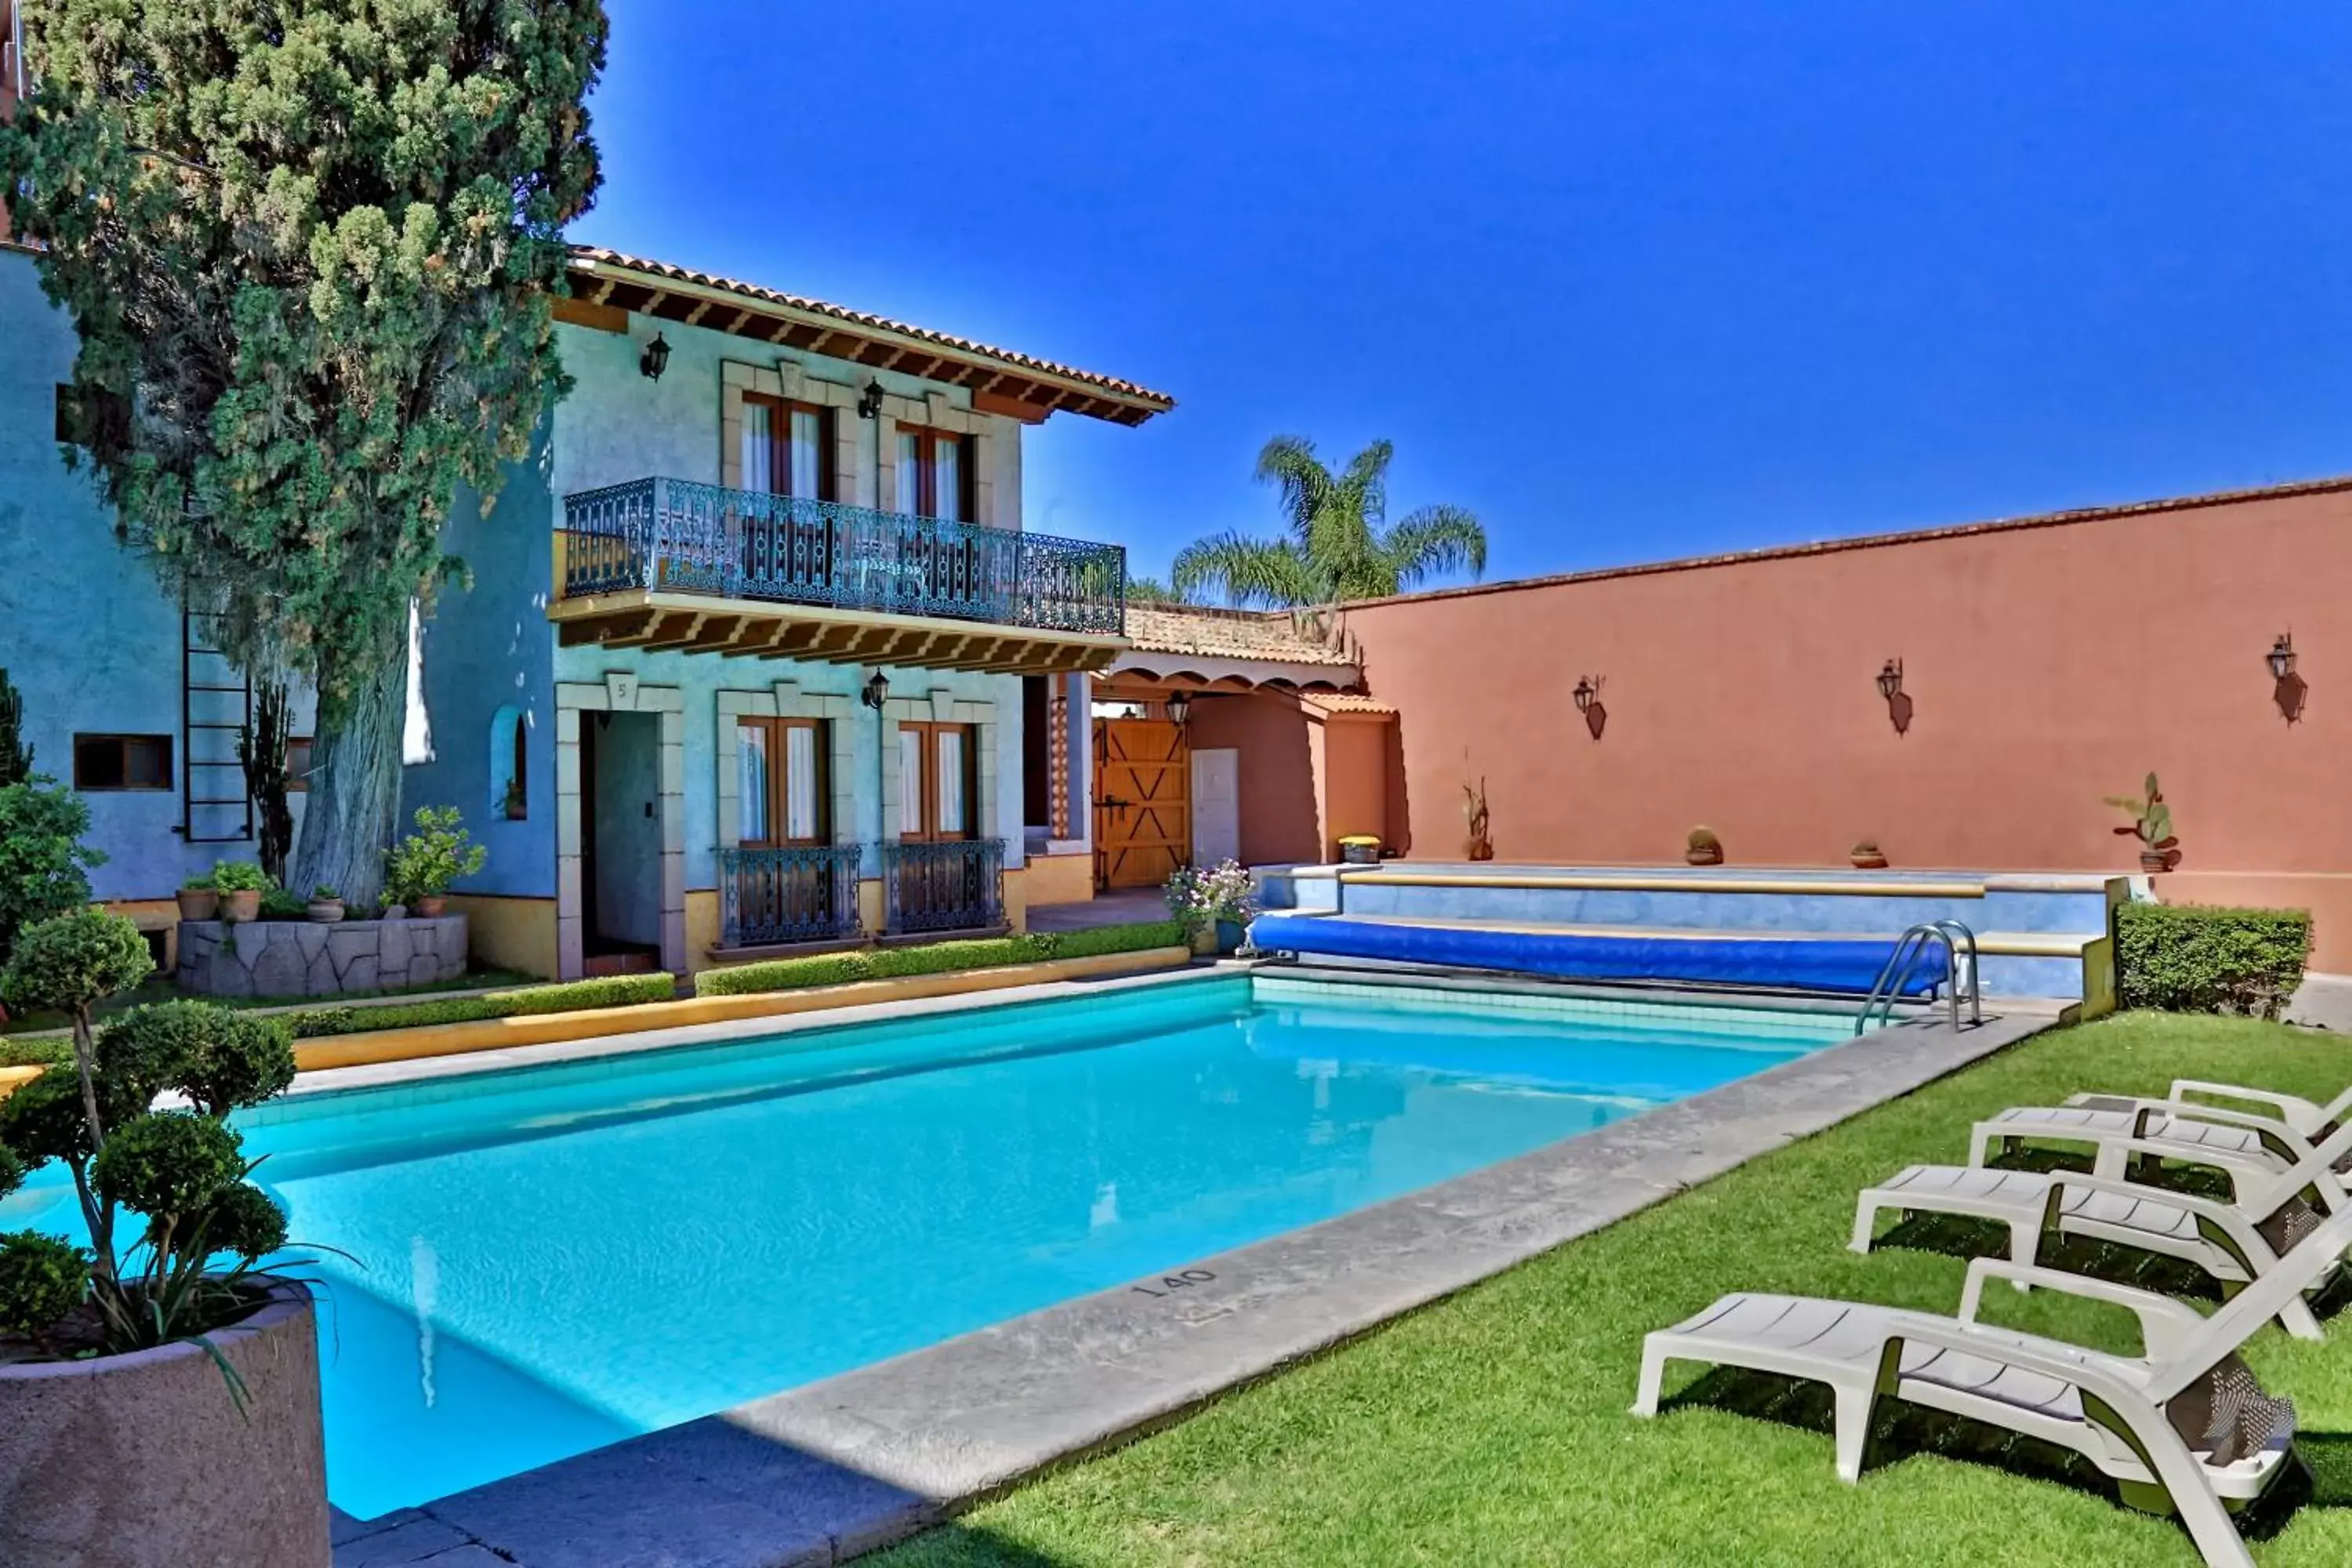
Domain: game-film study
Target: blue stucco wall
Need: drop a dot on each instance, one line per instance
(490, 646)
(87, 633)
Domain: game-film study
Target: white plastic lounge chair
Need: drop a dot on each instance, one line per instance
(2178, 1130)
(2305, 1118)
(2267, 1217)
(2182, 1429)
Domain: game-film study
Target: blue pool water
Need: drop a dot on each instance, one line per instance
(543, 1261)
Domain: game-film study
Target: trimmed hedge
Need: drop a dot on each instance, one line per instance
(2190, 958)
(610, 991)
(935, 958)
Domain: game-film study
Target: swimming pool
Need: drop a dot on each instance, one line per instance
(546, 1260)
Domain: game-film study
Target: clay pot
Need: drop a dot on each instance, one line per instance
(1703, 856)
(198, 904)
(326, 911)
(429, 907)
(2155, 861)
(241, 906)
(147, 1459)
(1872, 862)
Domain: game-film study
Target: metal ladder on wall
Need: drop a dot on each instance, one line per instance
(1923, 944)
(215, 715)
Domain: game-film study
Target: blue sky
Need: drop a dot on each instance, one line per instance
(1629, 281)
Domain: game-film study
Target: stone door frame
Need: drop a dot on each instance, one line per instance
(619, 693)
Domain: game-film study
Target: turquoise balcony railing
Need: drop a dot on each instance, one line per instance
(680, 537)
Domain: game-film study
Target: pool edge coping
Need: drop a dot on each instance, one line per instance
(855, 1462)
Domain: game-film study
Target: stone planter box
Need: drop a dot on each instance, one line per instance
(144, 1461)
(304, 958)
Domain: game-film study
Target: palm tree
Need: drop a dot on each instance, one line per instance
(1153, 591)
(1337, 543)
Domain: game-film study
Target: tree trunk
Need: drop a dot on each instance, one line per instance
(352, 811)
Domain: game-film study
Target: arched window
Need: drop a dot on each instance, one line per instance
(510, 766)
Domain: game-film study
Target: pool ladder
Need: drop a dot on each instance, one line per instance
(1924, 944)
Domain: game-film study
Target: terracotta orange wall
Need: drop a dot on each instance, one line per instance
(1280, 771)
(2048, 667)
(1355, 778)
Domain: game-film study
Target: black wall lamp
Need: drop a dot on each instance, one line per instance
(655, 360)
(2287, 688)
(1589, 703)
(869, 402)
(876, 691)
(1899, 701)
(1180, 708)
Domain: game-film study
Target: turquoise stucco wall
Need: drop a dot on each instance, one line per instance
(85, 632)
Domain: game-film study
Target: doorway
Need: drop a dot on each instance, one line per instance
(1143, 818)
(1216, 806)
(621, 843)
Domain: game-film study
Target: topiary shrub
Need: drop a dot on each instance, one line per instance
(936, 958)
(2189, 958)
(43, 866)
(1103, 940)
(571, 996)
(203, 1225)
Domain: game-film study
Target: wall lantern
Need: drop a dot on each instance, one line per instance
(1589, 703)
(1180, 708)
(655, 360)
(1899, 701)
(876, 691)
(869, 402)
(2288, 688)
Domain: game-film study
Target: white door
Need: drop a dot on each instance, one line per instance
(1216, 807)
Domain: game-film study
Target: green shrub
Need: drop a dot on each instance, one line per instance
(44, 866)
(239, 876)
(167, 1163)
(424, 864)
(575, 995)
(73, 962)
(278, 904)
(2188, 958)
(41, 1279)
(1104, 940)
(42, 1053)
(935, 958)
(244, 1221)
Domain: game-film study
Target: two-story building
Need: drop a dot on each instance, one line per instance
(756, 653)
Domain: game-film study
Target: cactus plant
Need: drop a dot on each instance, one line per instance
(2151, 824)
(1475, 817)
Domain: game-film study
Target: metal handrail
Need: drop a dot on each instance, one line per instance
(1910, 949)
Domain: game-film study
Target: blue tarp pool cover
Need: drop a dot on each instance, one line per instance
(1792, 964)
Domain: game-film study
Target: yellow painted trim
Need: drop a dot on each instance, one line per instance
(549, 1028)
(13, 1078)
(1663, 884)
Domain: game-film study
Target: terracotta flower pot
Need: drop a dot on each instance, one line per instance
(2155, 861)
(1868, 862)
(429, 907)
(1698, 856)
(146, 1457)
(198, 904)
(242, 906)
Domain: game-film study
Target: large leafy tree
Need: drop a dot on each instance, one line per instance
(309, 247)
(1336, 542)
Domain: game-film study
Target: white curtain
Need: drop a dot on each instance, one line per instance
(946, 476)
(910, 473)
(759, 447)
(807, 453)
(952, 781)
(910, 781)
(800, 783)
(752, 783)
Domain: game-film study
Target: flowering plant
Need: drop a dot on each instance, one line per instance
(1201, 896)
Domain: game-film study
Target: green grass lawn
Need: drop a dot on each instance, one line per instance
(1492, 1427)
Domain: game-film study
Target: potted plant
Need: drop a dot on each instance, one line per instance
(199, 900)
(517, 802)
(1213, 905)
(240, 884)
(420, 867)
(1703, 847)
(1866, 856)
(1474, 816)
(2151, 824)
(326, 905)
(153, 1331)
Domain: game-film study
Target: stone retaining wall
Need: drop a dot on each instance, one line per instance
(304, 958)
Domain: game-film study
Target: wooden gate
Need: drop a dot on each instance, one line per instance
(1143, 811)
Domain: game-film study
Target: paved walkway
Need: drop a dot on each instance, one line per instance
(1121, 906)
(2322, 1002)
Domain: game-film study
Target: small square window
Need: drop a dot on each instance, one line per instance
(298, 764)
(122, 762)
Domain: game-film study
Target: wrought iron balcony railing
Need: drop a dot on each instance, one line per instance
(684, 537)
(770, 897)
(956, 884)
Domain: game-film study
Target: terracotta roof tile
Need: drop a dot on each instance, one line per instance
(1347, 703)
(591, 254)
(1276, 635)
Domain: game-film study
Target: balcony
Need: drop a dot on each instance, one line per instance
(670, 564)
(956, 884)
(777, 898)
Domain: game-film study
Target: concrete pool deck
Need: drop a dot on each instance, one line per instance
(838, 1467)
